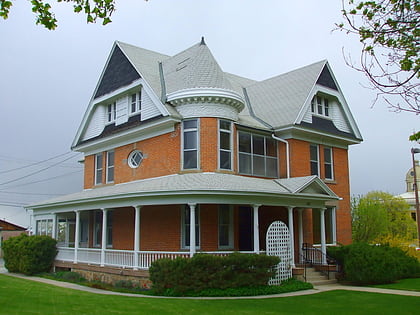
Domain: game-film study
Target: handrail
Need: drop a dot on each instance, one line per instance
(315, 256)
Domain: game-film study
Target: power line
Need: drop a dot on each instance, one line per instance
(36, 172)
(28, 193)
(12, 205)
(41, 180)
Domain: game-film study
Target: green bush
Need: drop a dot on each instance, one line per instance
(201, 272)
(369, 264)
(29, 254)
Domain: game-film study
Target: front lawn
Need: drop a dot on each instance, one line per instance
(21, 296)
(412, 284)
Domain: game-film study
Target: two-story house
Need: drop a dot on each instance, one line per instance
(181, 157)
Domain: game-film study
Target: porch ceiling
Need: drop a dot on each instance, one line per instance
(198, 188)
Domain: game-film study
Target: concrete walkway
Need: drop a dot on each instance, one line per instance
(318, 289)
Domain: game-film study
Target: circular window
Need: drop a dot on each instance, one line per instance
(135, 158)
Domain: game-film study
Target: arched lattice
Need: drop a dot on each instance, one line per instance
(278, 244)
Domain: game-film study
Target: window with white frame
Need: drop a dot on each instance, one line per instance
(225, 145)
(111, 112)
(190, 144)
(225, 227)
(97, 228)
(98, 168)
(135, 103)
(314, 159)
(186, 227)
(320, 106)
(44, 227)
(110, 156)
(257, 155)
(328, 163)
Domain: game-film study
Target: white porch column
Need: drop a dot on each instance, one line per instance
(292, 238)
(104, 235)
(323, 242)
(76, 236)
(136, 236)
(192, 228)
(54, 227)
(300, 223)
(256, 230)
(334, 224)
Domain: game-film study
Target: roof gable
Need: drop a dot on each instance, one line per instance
(326, 79)
(118, 72)
(306, 185)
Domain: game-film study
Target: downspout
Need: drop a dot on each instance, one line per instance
(287, 153)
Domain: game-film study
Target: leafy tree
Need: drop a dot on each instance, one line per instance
(390, 33)
(94, 10)
(379, 216)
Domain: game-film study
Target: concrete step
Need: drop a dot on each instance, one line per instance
(317, 278)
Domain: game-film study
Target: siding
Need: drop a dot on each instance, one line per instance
(339, 118)
(149, 109)
(96, 124)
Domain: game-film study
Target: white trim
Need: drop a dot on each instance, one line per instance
(256, 235)
(230, 131)
(207, 94)
(198, 133)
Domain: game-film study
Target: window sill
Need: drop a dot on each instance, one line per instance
(330, 181)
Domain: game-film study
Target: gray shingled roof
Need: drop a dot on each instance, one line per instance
(204, 183)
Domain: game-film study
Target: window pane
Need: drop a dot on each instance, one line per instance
(326, 108)
(190, 159)
(314, 152)
(314, 168)
(225, 141)
(271, 167)
(245, 163)
(259, 165)
(225, 125)
(327, 155)
(271, 148)
(319, 102)
(328, 171)
(110, 174)
(225, 160)
(111, 158)
(244, 142)
(224, 235)
(258, 144)
(190, 140)
(190, 124)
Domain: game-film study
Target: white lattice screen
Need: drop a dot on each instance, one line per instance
(278, 244)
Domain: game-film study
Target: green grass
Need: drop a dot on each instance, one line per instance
(412, 284)
(21, 296)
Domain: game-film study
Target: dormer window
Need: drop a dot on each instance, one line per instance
(112, 112)
(135, 103)
(320, 106)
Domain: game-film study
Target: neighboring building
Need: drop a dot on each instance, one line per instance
(178, 152)
(409, 195)
(8, 230)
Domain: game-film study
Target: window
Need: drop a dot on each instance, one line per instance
(190, 144)
(97, 228)
(185, 216)
(135, 158)
(110, 167)
(314, 159)
(328, 163)
(320, 106)
(112, 112)
(44, 227)
(98, 169)
(257, 155)
(225, 227)
(225, 145)
(135, 103)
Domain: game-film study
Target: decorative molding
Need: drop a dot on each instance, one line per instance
(195, 110)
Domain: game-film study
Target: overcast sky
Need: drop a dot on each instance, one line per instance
(48, 77)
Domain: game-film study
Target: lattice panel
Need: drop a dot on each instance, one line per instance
(278, 244)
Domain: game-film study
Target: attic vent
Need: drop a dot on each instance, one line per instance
(185, 60)
(180, 68)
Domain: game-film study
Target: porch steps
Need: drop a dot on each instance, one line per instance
(317, 278)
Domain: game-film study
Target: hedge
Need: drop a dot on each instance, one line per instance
(203, 271)
(29, 254)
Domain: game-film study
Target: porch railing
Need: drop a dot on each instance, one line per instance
(314, 256)
(121, 258)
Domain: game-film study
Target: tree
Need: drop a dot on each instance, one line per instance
(379, 216)
(390, 33)
(94, 10)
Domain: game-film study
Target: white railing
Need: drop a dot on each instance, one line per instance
(123, 258)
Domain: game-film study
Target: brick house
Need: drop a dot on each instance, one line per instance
(8, 230)
(179, 152)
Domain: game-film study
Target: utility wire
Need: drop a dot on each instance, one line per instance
(36, 172)
(41, 180)
(33, 164)
(28, 193)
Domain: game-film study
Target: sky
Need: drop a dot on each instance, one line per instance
(48, 77)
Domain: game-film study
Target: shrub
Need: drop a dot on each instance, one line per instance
(370, 264)
(29, 254)
(181, 275)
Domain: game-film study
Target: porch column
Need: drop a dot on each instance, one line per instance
(76, 236)
(292, 238)
(54, 227)
(104, 235)
(300, 223)
(323, 242)
(334, 224)
(256, 230)
(192, 228)
(136, 236)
